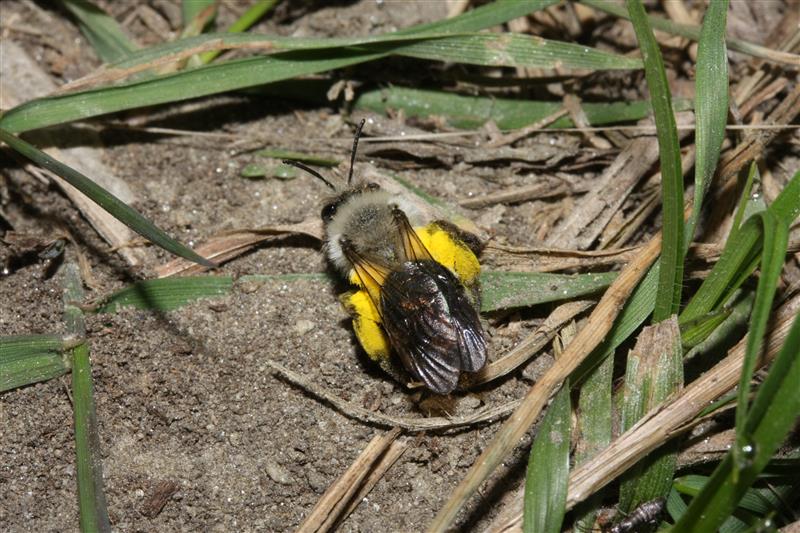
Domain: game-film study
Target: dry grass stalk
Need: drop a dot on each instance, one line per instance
(480, 416)
(232, 244)
(337, 498)
(595, 209)
(531, 344)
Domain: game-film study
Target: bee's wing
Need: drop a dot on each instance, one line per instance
(410, 246)
(431, 324)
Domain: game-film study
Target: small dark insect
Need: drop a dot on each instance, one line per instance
(647, 514)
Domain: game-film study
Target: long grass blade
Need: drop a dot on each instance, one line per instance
(670, 281)
(776, 238)
(91, 498)
(711, 103)
(548, 469)
(654, 372)
(119, 209)
(474, 111)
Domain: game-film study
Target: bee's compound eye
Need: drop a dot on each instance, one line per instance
(328, 212)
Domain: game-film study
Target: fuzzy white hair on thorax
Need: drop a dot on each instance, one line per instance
(347, 218)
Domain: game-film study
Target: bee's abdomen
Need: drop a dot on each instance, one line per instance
(432, 324)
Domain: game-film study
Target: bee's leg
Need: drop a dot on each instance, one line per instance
(456, 250)
(367, 325)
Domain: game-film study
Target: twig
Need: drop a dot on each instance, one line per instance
(356, 412)
(339, 495)
(531, 344)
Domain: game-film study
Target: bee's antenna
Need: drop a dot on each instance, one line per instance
(353, 153)
(309, 170)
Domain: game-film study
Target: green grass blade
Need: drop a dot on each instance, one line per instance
(739, 258)
(500, 290)
(654, 372)
(773, 414)
(243, 23)
(670, 281)
(27, 359)
(693, 32)
(104, 199)
(309, 59)
(168, 293)
(91, 498)
(711, 103)
(474, 111)
(776, 239)
(548, 469)
(509, 49)
(103, 32)
(594, 415)
(202, 81)
(505, 290)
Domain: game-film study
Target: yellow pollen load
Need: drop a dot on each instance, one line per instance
(445, 250)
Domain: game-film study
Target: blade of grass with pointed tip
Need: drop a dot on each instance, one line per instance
(548, 469)
(91, 498)
(167, 294)
(694, 32)
(776, 239)
(505, 290)
(510, 49)
(670, 281)
(103, 32)
(104, 199)
(711, 104)
(474, 111)
(739, 258)
(773, 414)
(252, 71)
(56, 110)
(27, 359)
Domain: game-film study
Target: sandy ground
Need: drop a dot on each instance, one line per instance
(186, 398)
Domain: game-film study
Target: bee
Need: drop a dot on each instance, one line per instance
(416, 292)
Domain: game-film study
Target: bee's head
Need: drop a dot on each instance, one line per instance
(342, 194)
(331, 207)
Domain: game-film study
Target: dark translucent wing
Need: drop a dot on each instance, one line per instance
(411, 246)
(431, 324)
